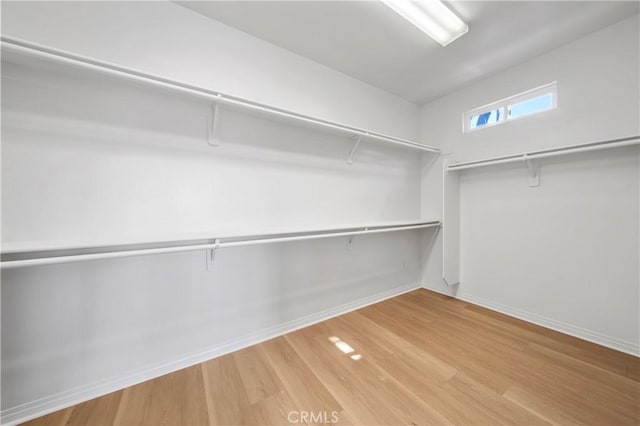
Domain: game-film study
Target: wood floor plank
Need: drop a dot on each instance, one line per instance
(494, 406)
(416, 373)
(301, 383)
(373, 396)
(226, 398)
(277, 409)
(97, 412)
(436, 341)
(538, 405)
(259, 380)
(57, 418)
(389, 349)
(419, 358)
(632, 370)
(345, 418)
(330, 365)
(585, 397)
(613, 386)
(410, 373)
(173, 399)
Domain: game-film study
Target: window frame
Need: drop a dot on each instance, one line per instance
(505, 103)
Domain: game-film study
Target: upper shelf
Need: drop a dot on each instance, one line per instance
(529, 156)
(28, 49)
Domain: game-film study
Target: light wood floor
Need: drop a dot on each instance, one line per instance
(423, 359)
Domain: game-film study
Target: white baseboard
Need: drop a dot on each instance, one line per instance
(562, 327)
(40, 407)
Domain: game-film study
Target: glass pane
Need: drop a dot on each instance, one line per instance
(488, 117)
(530, 106)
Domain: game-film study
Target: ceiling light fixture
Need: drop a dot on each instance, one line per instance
(432, 17)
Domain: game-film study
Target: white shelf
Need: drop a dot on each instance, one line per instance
(534, 155)
(224, 233)
(34, 256)
(22, 51)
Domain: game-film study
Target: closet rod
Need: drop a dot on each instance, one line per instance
(572, 149)
(60, 56)
(208, 246)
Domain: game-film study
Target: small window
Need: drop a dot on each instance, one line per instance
(530, 102)
(531, 106)
(486, 118)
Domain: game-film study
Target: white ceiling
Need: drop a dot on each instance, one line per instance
(370, 42)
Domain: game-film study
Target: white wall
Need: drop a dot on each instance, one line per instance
(168, 40)
(87, 159)
(109, 162)
(564, 254)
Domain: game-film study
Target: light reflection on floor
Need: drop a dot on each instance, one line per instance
(345, 348)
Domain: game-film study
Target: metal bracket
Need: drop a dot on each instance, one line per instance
(211, 255)
(350, 242)
(212, 135)
(448, 283)
(533, 170)
(432, 160)
(357, 139)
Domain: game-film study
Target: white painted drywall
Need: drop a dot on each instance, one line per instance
(564, 254)
(88, 159)
(168, 40)
(109, 162)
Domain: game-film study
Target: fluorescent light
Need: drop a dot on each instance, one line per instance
(432, 17)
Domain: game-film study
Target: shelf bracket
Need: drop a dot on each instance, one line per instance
(533, 171)
(211, 253)
(432, 160)
(350, 243)
(213, 137)
(357, 139)
(448, 283)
